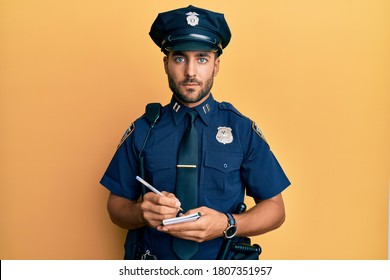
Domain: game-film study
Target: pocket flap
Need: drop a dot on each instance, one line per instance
(158, 162)
(223, 161)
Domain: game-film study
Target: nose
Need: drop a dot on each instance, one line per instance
(190, 68)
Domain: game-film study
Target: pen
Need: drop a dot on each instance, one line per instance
(150, 187)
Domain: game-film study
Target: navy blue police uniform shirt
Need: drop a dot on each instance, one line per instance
(234, 158)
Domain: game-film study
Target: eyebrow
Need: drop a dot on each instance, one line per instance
(203, 54)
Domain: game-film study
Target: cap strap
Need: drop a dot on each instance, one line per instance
(196, 37)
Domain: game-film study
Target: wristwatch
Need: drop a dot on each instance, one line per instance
(231, 229)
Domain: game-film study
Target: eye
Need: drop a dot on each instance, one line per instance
(202, 60)
(179, 59)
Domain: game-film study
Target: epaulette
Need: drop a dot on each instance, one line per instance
(229, 107)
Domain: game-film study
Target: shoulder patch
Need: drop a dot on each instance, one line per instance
(229, 107)
(259, 132)
(128, 132)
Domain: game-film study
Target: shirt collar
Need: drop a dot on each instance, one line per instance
(204, 110)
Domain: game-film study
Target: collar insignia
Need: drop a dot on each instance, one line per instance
(176, 107)
(192, 18)
(206, 108)
(224, 135)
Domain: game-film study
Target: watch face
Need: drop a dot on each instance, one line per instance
(231, 231)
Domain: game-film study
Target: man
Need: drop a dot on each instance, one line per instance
(231, 155)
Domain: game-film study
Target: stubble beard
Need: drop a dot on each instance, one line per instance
(189, 96)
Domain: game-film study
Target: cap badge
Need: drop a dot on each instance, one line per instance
(192, 18)
(224, 135)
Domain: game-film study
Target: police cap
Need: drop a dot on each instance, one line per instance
(190, 29)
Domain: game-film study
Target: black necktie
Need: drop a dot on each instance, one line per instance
(187, 183)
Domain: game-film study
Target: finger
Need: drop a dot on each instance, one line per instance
(162, 200)
(158, 212)
(154, 220)
(168, 194)
(182, 227)
(172, 196)
(169, 202)
(154, 213)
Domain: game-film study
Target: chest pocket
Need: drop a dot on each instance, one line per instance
(222, 178)
(159, 168)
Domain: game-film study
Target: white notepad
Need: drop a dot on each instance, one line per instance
(181, 219)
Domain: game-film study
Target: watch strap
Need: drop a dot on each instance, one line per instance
(231, 220)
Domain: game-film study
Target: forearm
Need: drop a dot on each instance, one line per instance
(265, 216)
(125, 213)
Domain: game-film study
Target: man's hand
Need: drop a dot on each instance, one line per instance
(210, 225)
(156, 208)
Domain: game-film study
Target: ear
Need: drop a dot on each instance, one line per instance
(165, 60)
(216, 66)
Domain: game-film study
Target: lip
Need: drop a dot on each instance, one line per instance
(190, 84)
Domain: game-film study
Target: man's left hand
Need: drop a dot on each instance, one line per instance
(210, 225)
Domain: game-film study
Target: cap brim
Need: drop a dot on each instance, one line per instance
(191, 46)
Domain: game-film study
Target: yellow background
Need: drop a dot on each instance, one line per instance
(315, 75)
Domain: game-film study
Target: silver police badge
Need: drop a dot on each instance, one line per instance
(192, 18)
(224, 135)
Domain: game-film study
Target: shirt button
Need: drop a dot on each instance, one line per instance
(225, 165)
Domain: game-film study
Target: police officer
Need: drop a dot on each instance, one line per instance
(234, 158)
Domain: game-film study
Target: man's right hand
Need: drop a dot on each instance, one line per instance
(156, 208)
